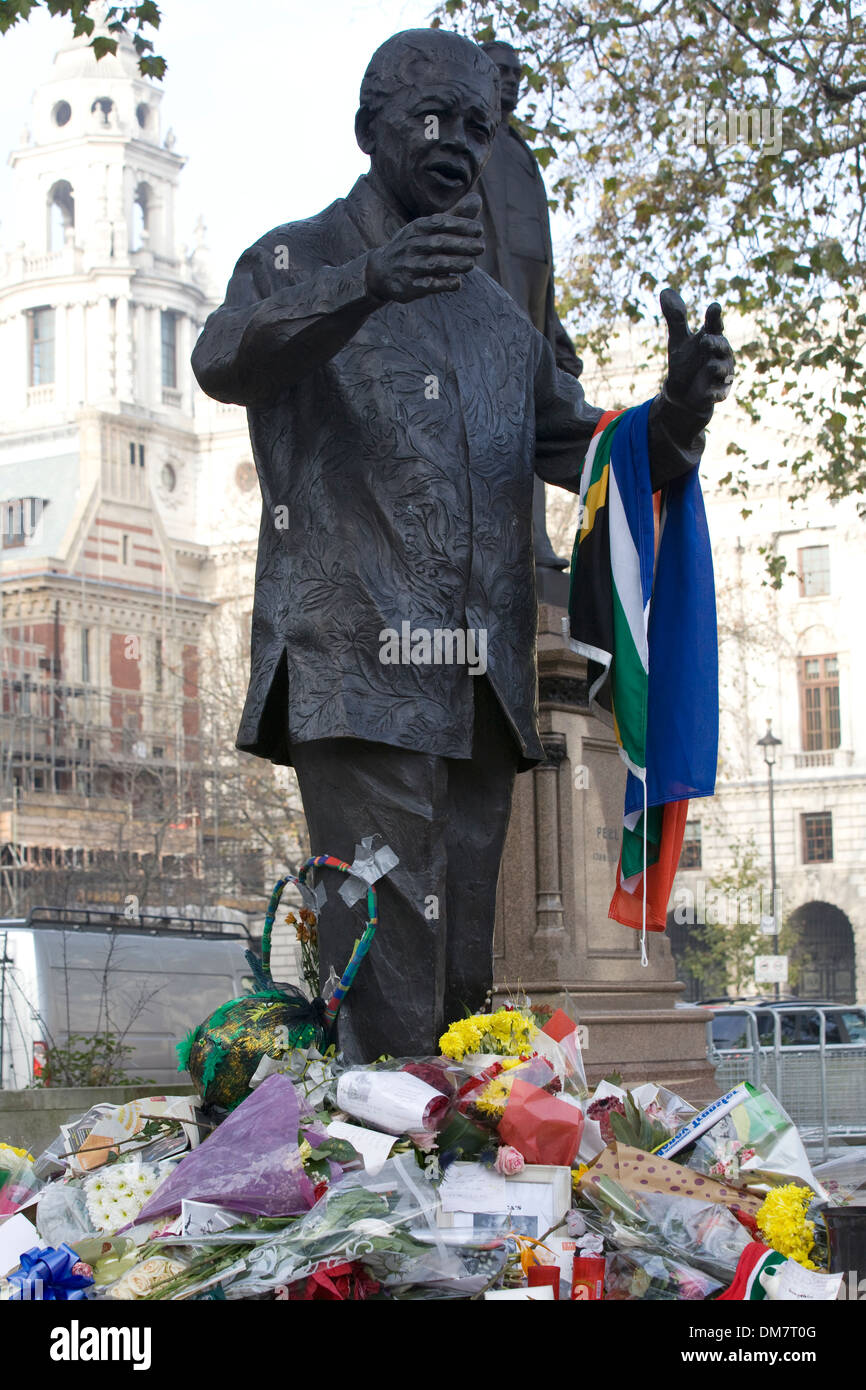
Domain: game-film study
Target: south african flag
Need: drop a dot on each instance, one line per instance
(642, 611)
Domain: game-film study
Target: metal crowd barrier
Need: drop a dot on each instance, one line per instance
(822, 1086)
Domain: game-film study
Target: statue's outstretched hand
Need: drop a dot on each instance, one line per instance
(700, 365)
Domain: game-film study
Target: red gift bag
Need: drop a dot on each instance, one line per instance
(544, 1129)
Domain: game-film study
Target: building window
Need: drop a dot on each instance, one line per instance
(41, 348)
(85, 657)
(819, 702)
(157, 665)
(814, 570)
(105, 106)
(691, 852)
(124, 549)
(19, 520)
(817, 837)
(61, 214)
(169, 350)
(136, 455)
(140, 217)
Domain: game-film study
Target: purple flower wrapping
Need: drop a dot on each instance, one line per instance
(250, 1164)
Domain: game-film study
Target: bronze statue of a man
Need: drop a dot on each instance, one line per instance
(398, 403)
(518, 253)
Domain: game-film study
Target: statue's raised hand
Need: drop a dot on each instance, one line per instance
(700, 365)
(428, 256)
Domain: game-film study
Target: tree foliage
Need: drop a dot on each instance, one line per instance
(724, 946)
(637, 105)
(721, 949)
(129, 20)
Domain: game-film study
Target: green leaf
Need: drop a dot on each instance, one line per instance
(102, 45)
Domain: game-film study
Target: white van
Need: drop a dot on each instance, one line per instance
(86, 971)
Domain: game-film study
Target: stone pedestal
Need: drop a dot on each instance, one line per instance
(554, 939)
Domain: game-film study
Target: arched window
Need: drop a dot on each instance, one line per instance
(141, 216)
(61, 214)
(103, 106)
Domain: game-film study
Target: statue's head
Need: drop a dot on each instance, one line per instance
(428, 113)
(507, 59)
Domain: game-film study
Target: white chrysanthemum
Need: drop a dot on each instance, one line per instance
(117, 1194)
(99, 1212)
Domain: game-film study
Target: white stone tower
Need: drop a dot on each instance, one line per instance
(99, 306)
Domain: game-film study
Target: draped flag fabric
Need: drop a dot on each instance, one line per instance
(642, 611)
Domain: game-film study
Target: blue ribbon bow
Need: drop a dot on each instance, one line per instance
(46, 1274)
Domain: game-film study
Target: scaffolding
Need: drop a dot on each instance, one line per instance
(108, 793)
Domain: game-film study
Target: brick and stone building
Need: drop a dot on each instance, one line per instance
(128, 520)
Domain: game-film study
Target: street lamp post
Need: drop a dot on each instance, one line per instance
(769, 743)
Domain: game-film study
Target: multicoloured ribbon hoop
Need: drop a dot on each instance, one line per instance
(362, 945)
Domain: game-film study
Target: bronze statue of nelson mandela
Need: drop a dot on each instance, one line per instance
(399, 403)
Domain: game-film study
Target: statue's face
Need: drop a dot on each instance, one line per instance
(429, 143)
(508, 63)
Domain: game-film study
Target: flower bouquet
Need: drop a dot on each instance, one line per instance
(703, 1232)
(783, 1224)
(640, 1273)
(116, 1193)
(383, 1226)
(484, 1096)
(18, 1181)
(478, 1039)
(757, 1145)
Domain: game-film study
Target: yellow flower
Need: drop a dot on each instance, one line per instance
(577, 1173)
(463, 1036)
(506, 1032)
(19, 1153)
(782, 1222)
(494, 1097)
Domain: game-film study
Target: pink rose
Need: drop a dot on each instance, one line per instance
(509, 1161)
(424, 1141)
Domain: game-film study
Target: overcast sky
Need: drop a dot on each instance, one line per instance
(261, 97)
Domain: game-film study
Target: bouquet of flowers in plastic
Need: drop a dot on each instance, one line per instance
(639, 1273)
(18, 1180)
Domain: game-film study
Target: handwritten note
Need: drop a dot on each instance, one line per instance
(473, 1188)
(373, 1147)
